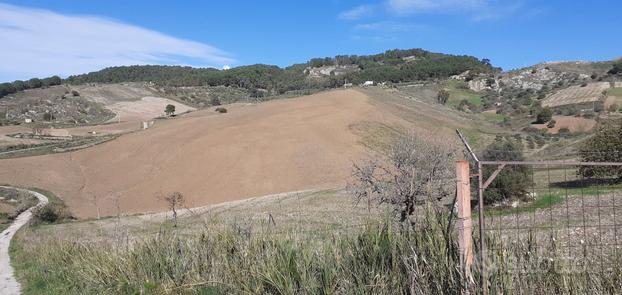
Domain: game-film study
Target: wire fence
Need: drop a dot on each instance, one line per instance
(557, 214)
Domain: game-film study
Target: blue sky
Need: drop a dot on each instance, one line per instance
(42, 38)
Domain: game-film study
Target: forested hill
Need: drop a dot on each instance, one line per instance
(390, 66)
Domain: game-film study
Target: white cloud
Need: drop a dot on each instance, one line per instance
(413, 6)
(388, 26)
(357, 12)
(43, 43)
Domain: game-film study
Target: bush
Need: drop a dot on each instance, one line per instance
(514, 181)
(48, 117)
(589, 114)
(604, 146)
(221, 110)
(442, 96)
(563, 131)
(551, 124)
(545, 115)
(613, 108)
(50, 213)
(169, 110)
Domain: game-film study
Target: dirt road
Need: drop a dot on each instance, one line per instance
(8, 283)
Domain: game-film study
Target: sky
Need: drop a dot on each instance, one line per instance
(66, 37)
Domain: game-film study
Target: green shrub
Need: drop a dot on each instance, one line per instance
(442, 96)
(514, 181)
(50, 213)
(551, 124)
(545, 115)
(379, 258)
(604, 146)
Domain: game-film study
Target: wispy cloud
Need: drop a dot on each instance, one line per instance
(357, 13)
(388, 26)
(414, 6)
(41, 43)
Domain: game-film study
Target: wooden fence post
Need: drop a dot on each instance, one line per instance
(464, 222)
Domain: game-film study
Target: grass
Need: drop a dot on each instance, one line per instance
(617, 92)
(540, 203)
(555, 196)
(5, 221)
(52, 198)
(456, 95)
(496, 118)
(16, 202)
(57, 146)
(382, 257)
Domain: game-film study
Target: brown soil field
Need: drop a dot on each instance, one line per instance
(574, 124)
(145, 108)
(576, 95)
(253, 150)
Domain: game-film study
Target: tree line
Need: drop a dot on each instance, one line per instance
(15, 86)
(390, 66)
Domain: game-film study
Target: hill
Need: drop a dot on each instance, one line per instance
(277, 146)
(261, 80)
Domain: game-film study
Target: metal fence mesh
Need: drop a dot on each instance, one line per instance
(565, 219)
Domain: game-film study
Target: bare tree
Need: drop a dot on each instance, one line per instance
(175, 200)
(413, 171)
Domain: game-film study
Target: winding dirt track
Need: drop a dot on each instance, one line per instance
(8, 283)
(253, 150)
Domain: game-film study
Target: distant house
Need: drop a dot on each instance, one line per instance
(368, 83)
(28, 120)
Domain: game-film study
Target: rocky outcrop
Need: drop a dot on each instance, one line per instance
(331, 70)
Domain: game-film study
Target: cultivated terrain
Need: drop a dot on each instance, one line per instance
(264, 158)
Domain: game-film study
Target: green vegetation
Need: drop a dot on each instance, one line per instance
(615, 92)
(442, 96)
(54, 211)
(10, 88)
(544, 116)
(380, 258)
(460, 95)
(169, 110)
(12, 203)
(221, 110)
(263, 80)
(543, 202)
(53, 146)
(604, 146)
(494, 117)
(513, 182)
(557, 195)
(616, 68)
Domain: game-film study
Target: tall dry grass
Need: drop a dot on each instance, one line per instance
(381, 258)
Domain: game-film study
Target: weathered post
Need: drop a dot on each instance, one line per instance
(465, 224)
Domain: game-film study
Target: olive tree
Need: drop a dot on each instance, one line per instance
(604, 146)
(169, 110)
(412, 172)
